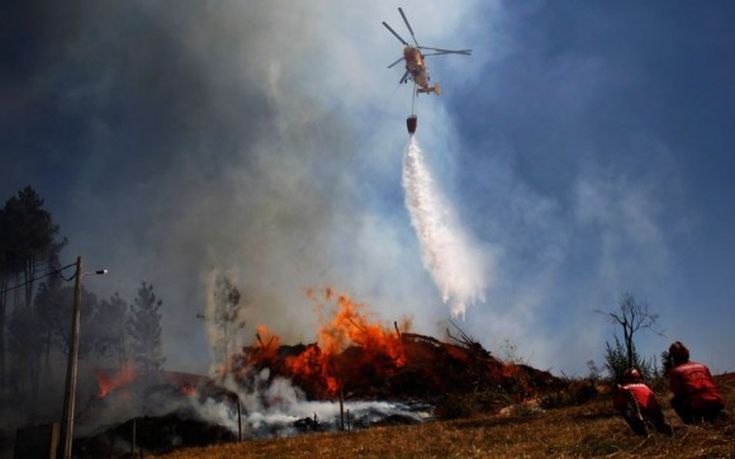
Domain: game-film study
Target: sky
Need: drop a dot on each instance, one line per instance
(586, 147)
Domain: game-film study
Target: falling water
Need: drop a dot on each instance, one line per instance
(447, 252)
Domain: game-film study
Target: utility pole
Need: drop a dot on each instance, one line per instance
(341, 408)
(67, 425)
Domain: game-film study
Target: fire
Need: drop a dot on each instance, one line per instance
(107, 383)
(350, 347)
(188, 390)
(350, 326)
(356, 356)
(381, 348)
(268, 342)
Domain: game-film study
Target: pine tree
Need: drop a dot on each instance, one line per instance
(53, 308)
(144, 330)
(29, 237)
(110, 339)
(28, 241)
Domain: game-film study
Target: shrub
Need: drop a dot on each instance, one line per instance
(616, 362)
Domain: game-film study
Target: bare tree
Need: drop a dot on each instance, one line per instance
(632, 316)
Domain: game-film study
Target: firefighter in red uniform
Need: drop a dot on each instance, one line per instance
(637, 403)
(696, 396)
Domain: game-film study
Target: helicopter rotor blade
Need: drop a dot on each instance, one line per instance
(400, 10)
(443, 53)
(404, 78)
(396, 62)
(466, 52)
(395, 34)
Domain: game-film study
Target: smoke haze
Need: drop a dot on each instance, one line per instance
(248, 138)
(176, 139)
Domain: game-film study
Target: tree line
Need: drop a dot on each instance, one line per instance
(36, 305)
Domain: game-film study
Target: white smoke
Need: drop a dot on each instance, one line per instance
(271, 407)
(447, 252)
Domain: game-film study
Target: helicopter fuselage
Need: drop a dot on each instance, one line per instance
(416, 67)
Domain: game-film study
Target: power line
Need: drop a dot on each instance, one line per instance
(6, 271)
(50, 273)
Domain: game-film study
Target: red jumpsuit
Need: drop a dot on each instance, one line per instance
(643, 395)
(646, 403)
(695, 392)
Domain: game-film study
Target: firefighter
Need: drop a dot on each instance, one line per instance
(696, 396)
(637, 403)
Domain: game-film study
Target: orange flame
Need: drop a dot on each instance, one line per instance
(107, 383)
(268, 343)
(188, 390)
(349, 326)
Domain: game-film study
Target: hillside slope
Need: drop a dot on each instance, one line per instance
(588, 430)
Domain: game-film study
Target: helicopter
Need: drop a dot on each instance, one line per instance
(416, 69)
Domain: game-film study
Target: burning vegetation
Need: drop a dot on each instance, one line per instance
(356, 354)
(382, 374)
(351, 351)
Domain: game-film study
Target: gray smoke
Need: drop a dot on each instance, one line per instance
(255, 138)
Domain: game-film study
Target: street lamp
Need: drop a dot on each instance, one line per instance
(67, 426)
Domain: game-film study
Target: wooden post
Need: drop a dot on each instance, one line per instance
(54, 446)
(72, 368)
(36, 441)
(135, 434)
(349, 422)
(341, 409)
(239, 420)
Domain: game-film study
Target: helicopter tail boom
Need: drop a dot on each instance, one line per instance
(436, 89)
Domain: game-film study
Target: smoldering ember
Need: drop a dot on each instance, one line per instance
(358, 373)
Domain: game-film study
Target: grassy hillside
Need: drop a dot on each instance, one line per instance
(588, 430)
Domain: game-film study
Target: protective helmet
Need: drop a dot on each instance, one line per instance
(631, 375)
(678, 352)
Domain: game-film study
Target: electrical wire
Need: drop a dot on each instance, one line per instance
(49, 273)
(6, 271)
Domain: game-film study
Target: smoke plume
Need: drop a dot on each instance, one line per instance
(447, 252)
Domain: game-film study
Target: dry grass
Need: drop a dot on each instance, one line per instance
(583, 431)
